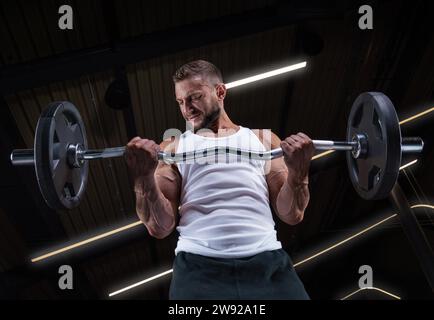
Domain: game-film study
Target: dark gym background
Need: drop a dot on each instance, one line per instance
(140, 44)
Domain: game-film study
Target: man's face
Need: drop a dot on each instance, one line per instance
(198, 101)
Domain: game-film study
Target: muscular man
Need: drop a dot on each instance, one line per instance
(227, 246)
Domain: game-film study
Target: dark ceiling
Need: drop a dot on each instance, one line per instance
(142, 43)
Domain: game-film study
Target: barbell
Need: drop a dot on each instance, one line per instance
(60, 155)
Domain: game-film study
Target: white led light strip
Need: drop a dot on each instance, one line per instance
(408, 164)
(141, 282)
(372, 288)
(265, 75)
(344, 241)
(89, 240)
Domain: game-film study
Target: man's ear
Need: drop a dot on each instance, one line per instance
(221, 91)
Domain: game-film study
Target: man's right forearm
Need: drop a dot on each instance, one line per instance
(153, 209)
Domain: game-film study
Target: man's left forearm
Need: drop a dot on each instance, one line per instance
(292, 200)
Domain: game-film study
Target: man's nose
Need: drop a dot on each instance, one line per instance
(189, 106)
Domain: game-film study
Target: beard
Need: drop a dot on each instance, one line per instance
(209, 118)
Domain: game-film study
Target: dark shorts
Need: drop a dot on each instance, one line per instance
(269, 275)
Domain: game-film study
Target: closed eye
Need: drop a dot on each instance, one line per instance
(196, 96)
(193, 97)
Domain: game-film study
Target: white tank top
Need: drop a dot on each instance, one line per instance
(224, 206)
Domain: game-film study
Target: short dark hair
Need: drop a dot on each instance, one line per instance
(197, 67)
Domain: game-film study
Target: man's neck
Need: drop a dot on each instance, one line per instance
(222, 126)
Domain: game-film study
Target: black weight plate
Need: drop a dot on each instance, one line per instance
(62, 186)
(374, 174)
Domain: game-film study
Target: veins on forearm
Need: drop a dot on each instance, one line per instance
(292, 201)
(153, 209)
